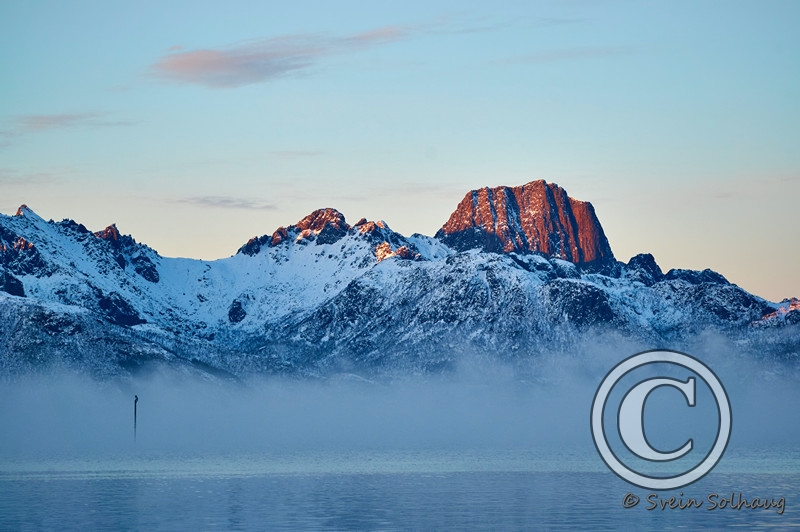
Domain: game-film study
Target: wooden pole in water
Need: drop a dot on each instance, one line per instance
(135, 400)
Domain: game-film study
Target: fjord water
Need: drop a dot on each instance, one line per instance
(374, 490)
(493, 452)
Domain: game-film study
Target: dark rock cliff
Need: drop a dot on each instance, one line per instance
(535, 217)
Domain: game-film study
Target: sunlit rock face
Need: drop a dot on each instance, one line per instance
(325, 226)
(517, 272)
(535, 217)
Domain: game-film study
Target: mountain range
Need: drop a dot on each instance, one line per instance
(514, 273)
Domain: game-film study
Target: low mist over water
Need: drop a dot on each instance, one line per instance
(487, 446)
(74, 414)
(483, 404)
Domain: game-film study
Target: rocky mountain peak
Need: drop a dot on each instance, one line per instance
(320, 308)
(371, 226)
(27, 212)
(534, 217)
(109, 233)
(325, 226)
(317, 220)
(643, 268)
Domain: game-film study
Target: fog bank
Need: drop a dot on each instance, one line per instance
(482, 404)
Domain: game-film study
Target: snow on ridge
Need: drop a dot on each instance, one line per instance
(316, 296)
(281, 280)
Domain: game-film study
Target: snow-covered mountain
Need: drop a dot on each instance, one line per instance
(515, 272)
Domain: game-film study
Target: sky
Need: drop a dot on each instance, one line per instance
(195, 126)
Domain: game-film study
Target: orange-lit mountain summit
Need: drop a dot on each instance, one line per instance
(514, 273)
(535, 217)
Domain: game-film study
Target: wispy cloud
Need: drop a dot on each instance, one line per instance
(421, 190)
(295, 154)
(268, 59)
(10, 177)
(567, 54)
(41, 122)
(263, 60)
(225, 202)
(21, 125)
(6, 137)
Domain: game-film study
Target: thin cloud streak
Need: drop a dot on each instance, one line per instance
(266, 60)
(562, 55)
(22, 125)
(422, 190)
(41, 122)
(51, 121)
(295, 154)
(10, 177)
(6, 137)
(223, 202)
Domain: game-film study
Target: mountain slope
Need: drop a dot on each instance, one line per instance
(322, 296)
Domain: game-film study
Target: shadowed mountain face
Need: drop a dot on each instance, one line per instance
(535, 217)
(513, 274)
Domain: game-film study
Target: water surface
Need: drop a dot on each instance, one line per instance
(319, 489)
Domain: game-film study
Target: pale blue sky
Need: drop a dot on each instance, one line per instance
(197, 125)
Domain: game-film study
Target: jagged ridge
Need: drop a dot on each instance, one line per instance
(322, 296)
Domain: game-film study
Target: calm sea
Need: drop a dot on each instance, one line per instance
(422, 489)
